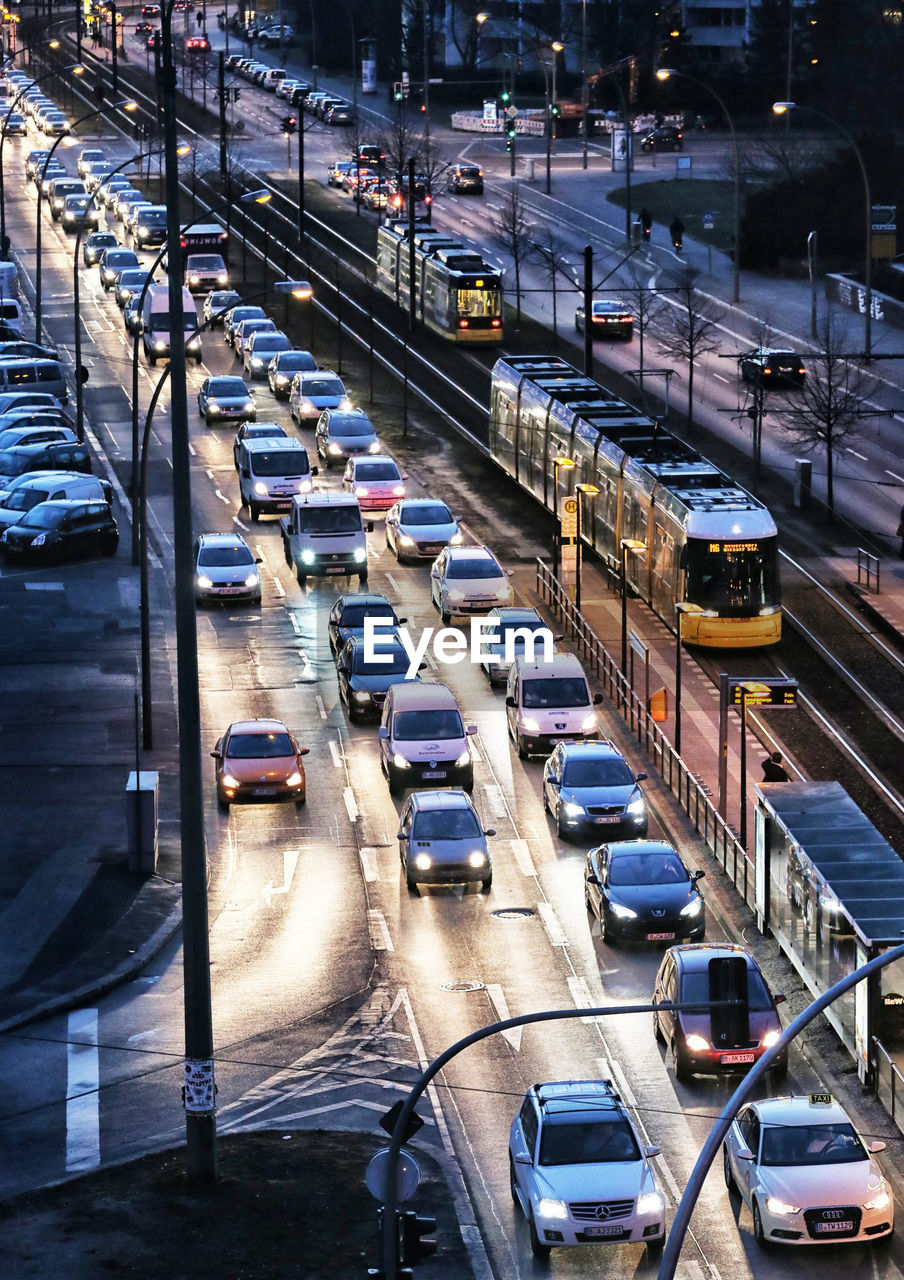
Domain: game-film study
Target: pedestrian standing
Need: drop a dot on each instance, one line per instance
(774, 770)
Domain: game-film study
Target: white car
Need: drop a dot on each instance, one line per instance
(579, 1172)
(805, 1173)
(419, 528)
(313, 391)
(466, 581)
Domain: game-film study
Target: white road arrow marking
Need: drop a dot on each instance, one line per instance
(522, 857)
(82, 1083)
(290, 862)
(349, 797)
(551, 925)
(497, 999)
(379, 931)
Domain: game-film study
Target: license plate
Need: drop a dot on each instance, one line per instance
(827, 1227)
(229, 591)
(609, 1230)
(608, 818)
(264, 791)
(336, 569)
(662, 937)
(434, 773)
(731, 1059)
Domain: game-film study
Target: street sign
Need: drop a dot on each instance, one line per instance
(568, 562)
(388, 1122)
(709, 220)
(884, 217)
(568, 520)
(511, 112)
(408, 1180)
(778, 693)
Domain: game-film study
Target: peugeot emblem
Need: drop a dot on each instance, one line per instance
(432, 764)
(658, 912)
(262, 778)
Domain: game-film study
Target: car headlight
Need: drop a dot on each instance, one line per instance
(456, 540)
(405, 541)
(281, 379)
(774, 1205)
(159, 346)
(194, 279)
(39, 540)
(552, 1208)
(881, 1201)
(294, 779)
(455, 594)
(696, 1043)
(260, 487)
(374, 448)
(361, 695)
(770, 1038)
(360, 555)
(222, 278)
(463, 759)
(252, 580)
(194, 343)
(423, 862)
(477, 859)
(398, 491)
(361, 491)
(203, 581)
(622, 913)
(213, 406)
(651, 1202)
(304, 486)
(530, 724)
(694, 908)
(306, 404)
(399, 761)
(590, 725)
(335, 450)
(345, 404)
(230, 781)
(247, 406)
(637, 807)
(257, 361)
(307, 556)
(503, 592)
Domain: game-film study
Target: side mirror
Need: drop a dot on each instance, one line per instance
(470, 730)
(217, 753)
(521, 1157)
(304, 751)
(779, 999)
(510, 701)
(593, 878)
(434, 572)
(640, 777)
(875, 1147)
(422, 667)
(400, 835)
(401, 620)
(744, 1153)
(698, 875)
(246, 473)
(383, 732)
(652, 1151)
(315, 471)
(258, 560)
(597, 699)
(489, 831)
(404, 475)
(369, 526)
(509, 573)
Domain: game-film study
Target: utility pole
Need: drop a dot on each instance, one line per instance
(588, 310)
(221, 98)
(301, 182)
(412, 301)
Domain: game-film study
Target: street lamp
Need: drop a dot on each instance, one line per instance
(780, 108)
(124, 104)
(681, 606)
(626, 545)
(590, 491)
(584, 104)
(663, 74)
(567, 464)
(551, 106)
(77, 69)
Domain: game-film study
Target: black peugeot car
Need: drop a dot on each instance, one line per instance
(641, 891)
(66, 529)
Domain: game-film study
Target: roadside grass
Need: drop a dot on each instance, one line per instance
(689, 198)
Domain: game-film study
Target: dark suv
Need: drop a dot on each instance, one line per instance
(66, 529)
(466, 178)
(766, 367)
(665, 137)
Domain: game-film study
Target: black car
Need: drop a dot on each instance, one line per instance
(362, 684)
(66, 529)
(665, 137)
(44, 457)
(641, 891)
(466, 178)
(18, 349)
(95, 245)
(769, 368)
(348, 613)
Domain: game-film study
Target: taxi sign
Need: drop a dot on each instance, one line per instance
(763, 693)
(824, 1098)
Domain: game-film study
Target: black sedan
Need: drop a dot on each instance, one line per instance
(18, 349)
(363, 684)
(95, 245)
(769, 368)
(349, 612)
(609, 318)
(225, 396)
(665, 137)
(62, 530)
(641, 891)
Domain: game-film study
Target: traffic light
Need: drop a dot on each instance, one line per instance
(554, 109)
(505, 97)
(289, 124)
(397, 91)
(236, 94)
(414, 1248)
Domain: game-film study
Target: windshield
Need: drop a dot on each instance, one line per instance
(13, 464)
(647, 868)
(602, 1140)
(377, 471)
(43, 518)
(597, 773)
(268, 342)
(238, 314)
(224, 557)
(327, 520)
(247, 327)
(322, 387)
(421, 726)
(262, 431)
(24, 499)
(206, 262)
(154, 218)
(228, 387)
(811, 1144)
(437, 513)
(348, 429)
(695, 990)
(285, 462)
(446, 824)
(734, 577)
(354, 615)
(295, 360)
(561, 691)
(260, 746)
(383, 661)
(473, 569)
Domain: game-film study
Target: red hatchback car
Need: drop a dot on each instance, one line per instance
(259, 760)
(714, 1040)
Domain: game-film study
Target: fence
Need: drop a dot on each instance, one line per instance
(692, 794)
(888, 1083)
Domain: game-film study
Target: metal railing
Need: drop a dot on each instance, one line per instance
(691, 792)
(868, 567)
(888, 1083)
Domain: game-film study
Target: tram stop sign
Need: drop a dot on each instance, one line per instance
(763, 693)
(568, 520)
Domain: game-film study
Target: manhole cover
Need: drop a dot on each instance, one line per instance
(513, 913)
(462, 986)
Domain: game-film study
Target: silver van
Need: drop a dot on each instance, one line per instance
(423, 738)
(271, 471)
(549, 702)
(48, 486)
(34, 375)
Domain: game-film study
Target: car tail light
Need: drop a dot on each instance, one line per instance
(464, 324)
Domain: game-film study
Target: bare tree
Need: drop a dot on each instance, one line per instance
(551, 251)
(399, 141)
(827, 411)
(691, 330)
(645, 303)
(514, 234)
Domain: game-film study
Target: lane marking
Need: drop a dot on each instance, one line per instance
(894, 474)
(222, 497)
(45, 586)
(290, 862)
(334, 752)
(395, 585)
(580, 995)
(296, 625)
(551, 925)
(278, 586)
(82, 1091)
(369, 864)
(379, 931)
(351, 807)
(861, 456)
(522, 856)
(495, 799)
(320, 707)
(497, 1000)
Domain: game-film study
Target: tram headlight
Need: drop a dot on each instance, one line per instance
(769, 610)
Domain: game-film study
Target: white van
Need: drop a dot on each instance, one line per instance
(549, 702)
(205, 271)
(11, 315)
(423, 738)
(324, 536)
(155, 324)
(30, 374)
(272, 469)
(48, 486)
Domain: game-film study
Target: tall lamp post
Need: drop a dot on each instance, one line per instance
(781, 108)
(681, 606)
(566, 464)
(124, 104)
(626, 545)
(583, 491)
(556, 47)
(664, 73)
(585, 123)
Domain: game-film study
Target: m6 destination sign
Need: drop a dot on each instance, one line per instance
(763, 693)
